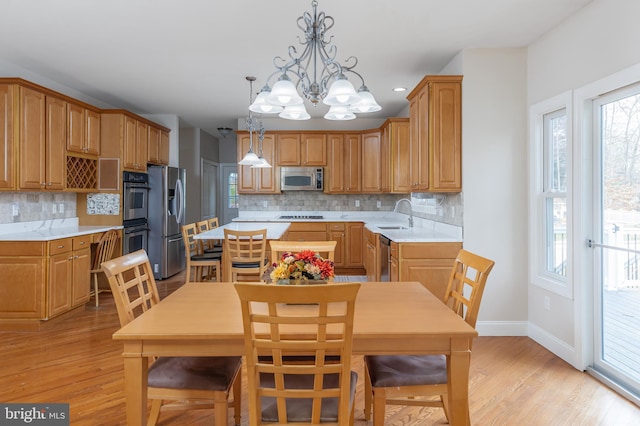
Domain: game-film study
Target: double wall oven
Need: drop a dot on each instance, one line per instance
(135, 200)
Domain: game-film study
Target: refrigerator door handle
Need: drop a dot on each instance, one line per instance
(179, 201)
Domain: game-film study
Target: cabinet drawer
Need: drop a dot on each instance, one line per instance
(60, 246)
(308, 226)
(338, 226)
(307, 236)
(429, 250)
(82, 241)
(22, 248)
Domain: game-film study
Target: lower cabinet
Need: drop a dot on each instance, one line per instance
(42, 279)
(371, 246)
(428, 263)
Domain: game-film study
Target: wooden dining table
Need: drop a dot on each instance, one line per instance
(204, 319)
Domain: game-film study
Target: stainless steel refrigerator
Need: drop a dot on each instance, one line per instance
(166, 216)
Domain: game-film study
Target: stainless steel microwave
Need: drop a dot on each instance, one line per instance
(301, 179)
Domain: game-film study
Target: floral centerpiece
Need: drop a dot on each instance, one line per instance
(301, 267)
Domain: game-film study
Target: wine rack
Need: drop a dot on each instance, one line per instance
(82, 173)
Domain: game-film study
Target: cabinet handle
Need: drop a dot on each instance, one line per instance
(81, 243)
(70, 258)
(62, 246)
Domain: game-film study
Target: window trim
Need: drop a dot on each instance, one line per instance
(538, 253)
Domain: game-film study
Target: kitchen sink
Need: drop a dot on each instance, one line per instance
(392, 227)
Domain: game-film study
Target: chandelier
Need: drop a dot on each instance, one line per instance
(251, 158)
(319, 77)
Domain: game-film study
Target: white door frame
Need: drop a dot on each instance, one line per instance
(226, 214)
(208, 163)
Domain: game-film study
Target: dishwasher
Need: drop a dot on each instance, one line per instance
(385, 258)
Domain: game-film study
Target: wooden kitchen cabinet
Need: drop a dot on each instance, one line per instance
(345, 164)
(435, 147)
(158, 149)
(302, 149)
(83, 130)
(353, 247)
(395, 134)
(375, 170)
(22, 288)
(371, 247)
(55, 136)
(337, 233)
(32, 139)
(307, 231)
(258, 180)
(7, 142)
(69, 281)
(136, 139)
(428, 263)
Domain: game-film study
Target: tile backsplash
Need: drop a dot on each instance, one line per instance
(445, 208)
(32, 206)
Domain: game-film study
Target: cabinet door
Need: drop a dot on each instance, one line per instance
(337, 234)
(142, 142)
(268, 181)
(56, 136)
(401, 161)
(445, 130)
(129, 145)
(153, 150)
(75, 128)
(313, 149)
(92, 129)
(247, 182)
(353, 246)
(288, 149)
(32, 139)
(372, 162)
(420, 165)
(163, 155)
(432, 273)
(22, 289)
(334, 175)
(60, 273)
(353, 163)
(81, 281)
(7, 141)
(394, 267)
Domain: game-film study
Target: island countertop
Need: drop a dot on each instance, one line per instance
(275, 230)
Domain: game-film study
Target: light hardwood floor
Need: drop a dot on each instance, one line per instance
(514, 381)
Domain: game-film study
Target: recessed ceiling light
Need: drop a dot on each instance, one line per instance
(399, 89)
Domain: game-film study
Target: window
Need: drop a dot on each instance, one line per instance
(549, 227)
(232, 188)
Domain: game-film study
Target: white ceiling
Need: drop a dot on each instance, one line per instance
(189, 57)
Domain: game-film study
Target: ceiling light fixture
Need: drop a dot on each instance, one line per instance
(224, 131)
(253, 125)
(320, 77)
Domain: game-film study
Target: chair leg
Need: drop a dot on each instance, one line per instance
(155, 412)
(368, 393)
(188, 275)
(237, 398)
(95, 287)
(217, 272)
(445, 405)
(221, 412)
(379, 401)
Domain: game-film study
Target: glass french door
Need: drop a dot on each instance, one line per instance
(617, 237)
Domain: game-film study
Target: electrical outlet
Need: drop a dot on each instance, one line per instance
(61, 208)
(265, 203)
(357, 203)
(54, 208)
(547, 303)
(15, 210)
(378, 204)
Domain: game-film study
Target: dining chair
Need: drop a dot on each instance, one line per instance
(208, 245)
(104, 251)
(213, 223)
(203, 264)
(245, 254)
(326, 249)
(199, 380)
(282, 322)
(401, 379)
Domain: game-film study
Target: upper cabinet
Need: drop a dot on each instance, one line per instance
(435, 147)
(136, 137)
(395, 132)
(7, 141)
(158, 148)
(32, 139)
(344, 169)
(263, 180)
(83, 130)
(375, 173)
(302, 149)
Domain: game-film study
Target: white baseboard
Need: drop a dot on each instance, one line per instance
(502, 328)
(554, 345)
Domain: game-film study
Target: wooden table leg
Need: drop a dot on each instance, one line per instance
(458, 382)
(135, 382)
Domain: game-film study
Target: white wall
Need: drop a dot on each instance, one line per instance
(598, 41)
(494, 179)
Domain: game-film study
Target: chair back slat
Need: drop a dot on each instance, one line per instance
(282, 323)
(132, 284)
(466, 285)
(325, 249)
(106, 247)
(192, 246)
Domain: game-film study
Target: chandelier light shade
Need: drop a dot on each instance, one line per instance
(251, 158)
(339, 112)
(318, 76)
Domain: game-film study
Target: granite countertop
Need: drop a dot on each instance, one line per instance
(275, 230)
(48, 230)
(377, 222)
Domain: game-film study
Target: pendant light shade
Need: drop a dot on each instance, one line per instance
(263, 164)
(341, 92)
(261, 106)
(284, 93)
(249, 159)
(367, 102)
(295, 112)
(339, 112)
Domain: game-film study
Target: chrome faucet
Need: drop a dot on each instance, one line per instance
(395, 210)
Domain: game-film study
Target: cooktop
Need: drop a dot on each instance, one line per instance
(301, 217)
